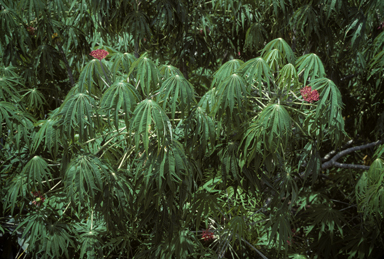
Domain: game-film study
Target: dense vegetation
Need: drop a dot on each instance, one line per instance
(191, 129)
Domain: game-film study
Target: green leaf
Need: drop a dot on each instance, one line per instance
(120, 99)
(231, 93)
(288, 78)
(226, 70)
(328, 110)
(36, 170)
(167, 71)
(272, 128)
(310, 66)
(202, 129)
(147, 74)
(121, 62)
(8, 90)
(92, 74)
(176, 91)
(148, 119)
(256, 72)
(48, 133)
(205, 204)
(16, 192)
(279, 46)
(77, 115)
(84, 178)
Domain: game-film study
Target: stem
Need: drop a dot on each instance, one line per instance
(254, 248)
(91, 220)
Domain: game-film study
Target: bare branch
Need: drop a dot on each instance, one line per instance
(328, 155)
(351, 166)
(332, 162)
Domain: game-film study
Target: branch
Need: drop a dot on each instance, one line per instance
(328, 155)
(254, 248)
(351, 166)
(333, 162)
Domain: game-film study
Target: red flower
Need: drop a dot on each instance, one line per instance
(99, 54)
(293, 235)
(31, 30)
(207, 235)
(381, 26)
(309, 95)
(239, 53)
(39, 198)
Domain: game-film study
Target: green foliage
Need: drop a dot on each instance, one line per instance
(191, 138)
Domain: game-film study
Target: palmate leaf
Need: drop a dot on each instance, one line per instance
(167, 71)
(306, 20)
(177, 91)
(272, 128)
(9, 21)
(9, 72)
(36, 170)
(120, 99)
(16, 192)
(46, 62)
(147, 74)
(377, 63)
(138, 24)
(255, 37)
(7, 114)
(34, 229)
(280, 227)
(370, 189)
(327, 218)
(273, 59)
(8, 92)
(148, 119)
(288, 78)
(90, 238)
(256, 72)
(183, 245)
(55, 244)
(204, 205)
(84, 178)
(202, 129)
(231, 93)
(91, 74)
(165, 170)
(230, 162)
(77, 115)
(121, 62)
(357, 29)
(283, 47)
(237, 228)
(34, 100)
(329, 107)
(226, 70)
(49, 134)
(311, 66)
(208, 100)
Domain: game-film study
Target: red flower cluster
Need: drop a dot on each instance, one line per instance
(381, 26)
(31, 30)
(39, 198)
(207, 235)
(309, 95)
(99, 54)
(294, 233)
